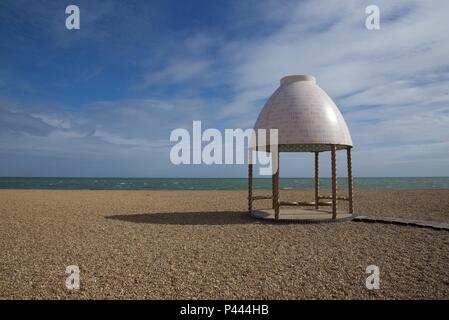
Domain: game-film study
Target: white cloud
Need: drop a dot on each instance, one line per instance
(178, 72)
(391, 84)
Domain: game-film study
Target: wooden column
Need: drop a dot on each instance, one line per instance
(317, 179)
(334, 181)
(250, 187)
(349, 160)
(275, 184)
(273, 187)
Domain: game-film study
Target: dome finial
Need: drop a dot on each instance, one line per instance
(295, 78)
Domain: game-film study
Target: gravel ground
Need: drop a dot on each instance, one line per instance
(201, 244)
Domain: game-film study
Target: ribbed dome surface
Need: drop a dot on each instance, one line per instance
(306, 117)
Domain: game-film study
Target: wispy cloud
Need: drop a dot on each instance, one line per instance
(150, 77)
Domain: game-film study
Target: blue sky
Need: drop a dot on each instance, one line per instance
(102, 100)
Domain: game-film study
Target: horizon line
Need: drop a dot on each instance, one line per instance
(267, 177)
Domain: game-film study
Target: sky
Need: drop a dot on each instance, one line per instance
(102, 101)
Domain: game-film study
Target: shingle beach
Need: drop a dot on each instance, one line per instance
(203, 245)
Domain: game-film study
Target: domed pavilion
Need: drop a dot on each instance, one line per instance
(307, 120)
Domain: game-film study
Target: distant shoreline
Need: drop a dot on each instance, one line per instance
(402, 183)
(173, 178)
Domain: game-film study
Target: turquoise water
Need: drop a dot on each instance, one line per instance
(213, 183)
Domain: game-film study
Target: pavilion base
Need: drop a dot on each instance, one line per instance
(302, 215)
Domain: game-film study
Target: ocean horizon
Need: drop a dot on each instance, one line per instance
(56, 183)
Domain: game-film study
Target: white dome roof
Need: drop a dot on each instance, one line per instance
(306, 117)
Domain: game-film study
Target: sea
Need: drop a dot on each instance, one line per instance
(215, 183)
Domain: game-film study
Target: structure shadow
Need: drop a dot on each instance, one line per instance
(188, 218)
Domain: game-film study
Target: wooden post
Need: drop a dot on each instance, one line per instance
(334, 181)
(349, 160)
(250, 187)
(317, 179)
(275, 185)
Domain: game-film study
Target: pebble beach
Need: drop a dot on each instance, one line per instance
(203, 245)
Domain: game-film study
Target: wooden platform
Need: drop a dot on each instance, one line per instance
(302, 215)
(407, 222)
